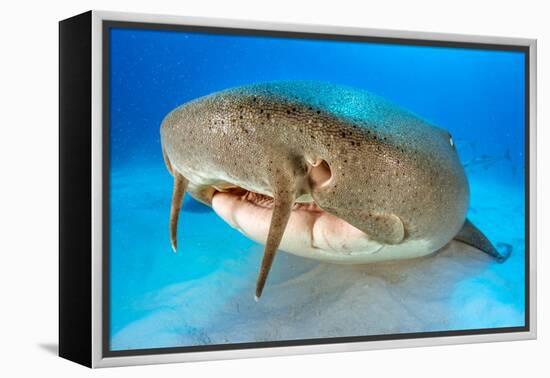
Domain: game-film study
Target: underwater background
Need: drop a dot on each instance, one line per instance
(204, 294)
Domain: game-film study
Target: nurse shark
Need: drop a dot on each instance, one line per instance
(322, 171)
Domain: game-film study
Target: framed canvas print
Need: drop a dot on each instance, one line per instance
(236, 189)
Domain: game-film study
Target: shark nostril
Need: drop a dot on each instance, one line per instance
(320, 174)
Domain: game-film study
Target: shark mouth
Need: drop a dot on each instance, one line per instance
(311, 232)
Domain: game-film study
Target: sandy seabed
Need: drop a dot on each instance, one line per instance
(205, 293)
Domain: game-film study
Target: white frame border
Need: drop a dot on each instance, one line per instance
(97, 102)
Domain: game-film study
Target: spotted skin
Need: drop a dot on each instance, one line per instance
(391, 174)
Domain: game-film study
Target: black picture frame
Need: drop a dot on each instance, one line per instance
(75, 180)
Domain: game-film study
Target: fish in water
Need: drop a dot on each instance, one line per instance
(319, 170)
(485, 161)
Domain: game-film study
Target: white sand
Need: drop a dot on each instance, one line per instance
(456, 288)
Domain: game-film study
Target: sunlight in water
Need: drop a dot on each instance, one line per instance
(204, 294)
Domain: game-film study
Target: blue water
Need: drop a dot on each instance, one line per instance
(203, 294)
